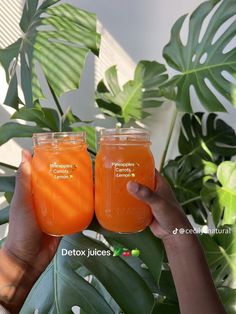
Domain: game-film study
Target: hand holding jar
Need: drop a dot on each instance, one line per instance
(62, 182)
(124, 156)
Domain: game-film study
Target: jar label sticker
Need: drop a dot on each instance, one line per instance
(62, 171)
(124, 169)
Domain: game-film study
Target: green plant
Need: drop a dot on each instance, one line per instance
(199, 176)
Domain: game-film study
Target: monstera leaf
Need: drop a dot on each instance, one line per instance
(228, 297)
(130, 101)
(46, 120)
(201, 63)
(209, 139)
(187, 181)
(63, 284)
(57, 40)
(220, 251)
(221, 196)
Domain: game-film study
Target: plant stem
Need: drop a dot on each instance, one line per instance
(8, 166)
(56, 100)
(191, 200)
(172, 125)
(92, 152)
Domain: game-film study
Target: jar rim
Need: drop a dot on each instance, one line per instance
(124, 131)
(48, 137)
(124, 136)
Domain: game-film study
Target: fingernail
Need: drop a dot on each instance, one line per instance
(132, 187)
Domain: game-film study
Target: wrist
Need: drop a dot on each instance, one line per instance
(181, 242)
(16, 280)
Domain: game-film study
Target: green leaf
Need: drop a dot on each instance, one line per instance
(100, 288)
(151, 248)
(167, 286)
(228, 298)
(43, 117)
(10, 130)
(90, 136)
(57, 39)
(188, 58)
(220, 251)
(69, 119)
(187, 180)
(69, 124)
(4, 215)
(12, 98)
(28, 13)
(136, 95)
(8, 196)
(233, 93)
(8, 60)
(208, 139)
(165, 308)
(221, 196)
(121, 281)
(7, 184)
(8, 55)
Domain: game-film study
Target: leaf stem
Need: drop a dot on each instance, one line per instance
(8, 166)
(55, 99)
(191, 200)
(172, 125)
(92, 152)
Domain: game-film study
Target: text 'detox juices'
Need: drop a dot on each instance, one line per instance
(62, 182)
(124, 155)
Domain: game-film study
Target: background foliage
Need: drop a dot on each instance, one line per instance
(55, 43)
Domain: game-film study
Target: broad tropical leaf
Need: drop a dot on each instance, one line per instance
(228, 297)
(70, 124)
(131, 100)
(209, 139)
(120, 280)
(57, 39)
(151, 248)
(220, 251)
(43, 117)
(11, 130)
(4, 215)
(221, 196)
(7, 184)
(167, 286)
(46, 120)
(187, 181)
(201, 64)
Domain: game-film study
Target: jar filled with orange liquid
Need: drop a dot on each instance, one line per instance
(62, 182)
(124, 155)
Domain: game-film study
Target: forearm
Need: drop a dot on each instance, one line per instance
(16, 280)
(195, 288)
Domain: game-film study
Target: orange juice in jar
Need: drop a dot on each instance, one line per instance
(62, 182)
(124, 155)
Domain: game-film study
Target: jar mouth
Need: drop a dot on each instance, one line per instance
(58, 137)
(131, 135)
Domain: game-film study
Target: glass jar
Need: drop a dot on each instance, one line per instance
(124, 155)
(62, 182)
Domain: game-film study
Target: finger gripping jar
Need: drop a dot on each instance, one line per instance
(124, 155)
(62, 182)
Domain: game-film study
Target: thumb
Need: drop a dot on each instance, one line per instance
(142, 192)
(165, 212)
(23, 180)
